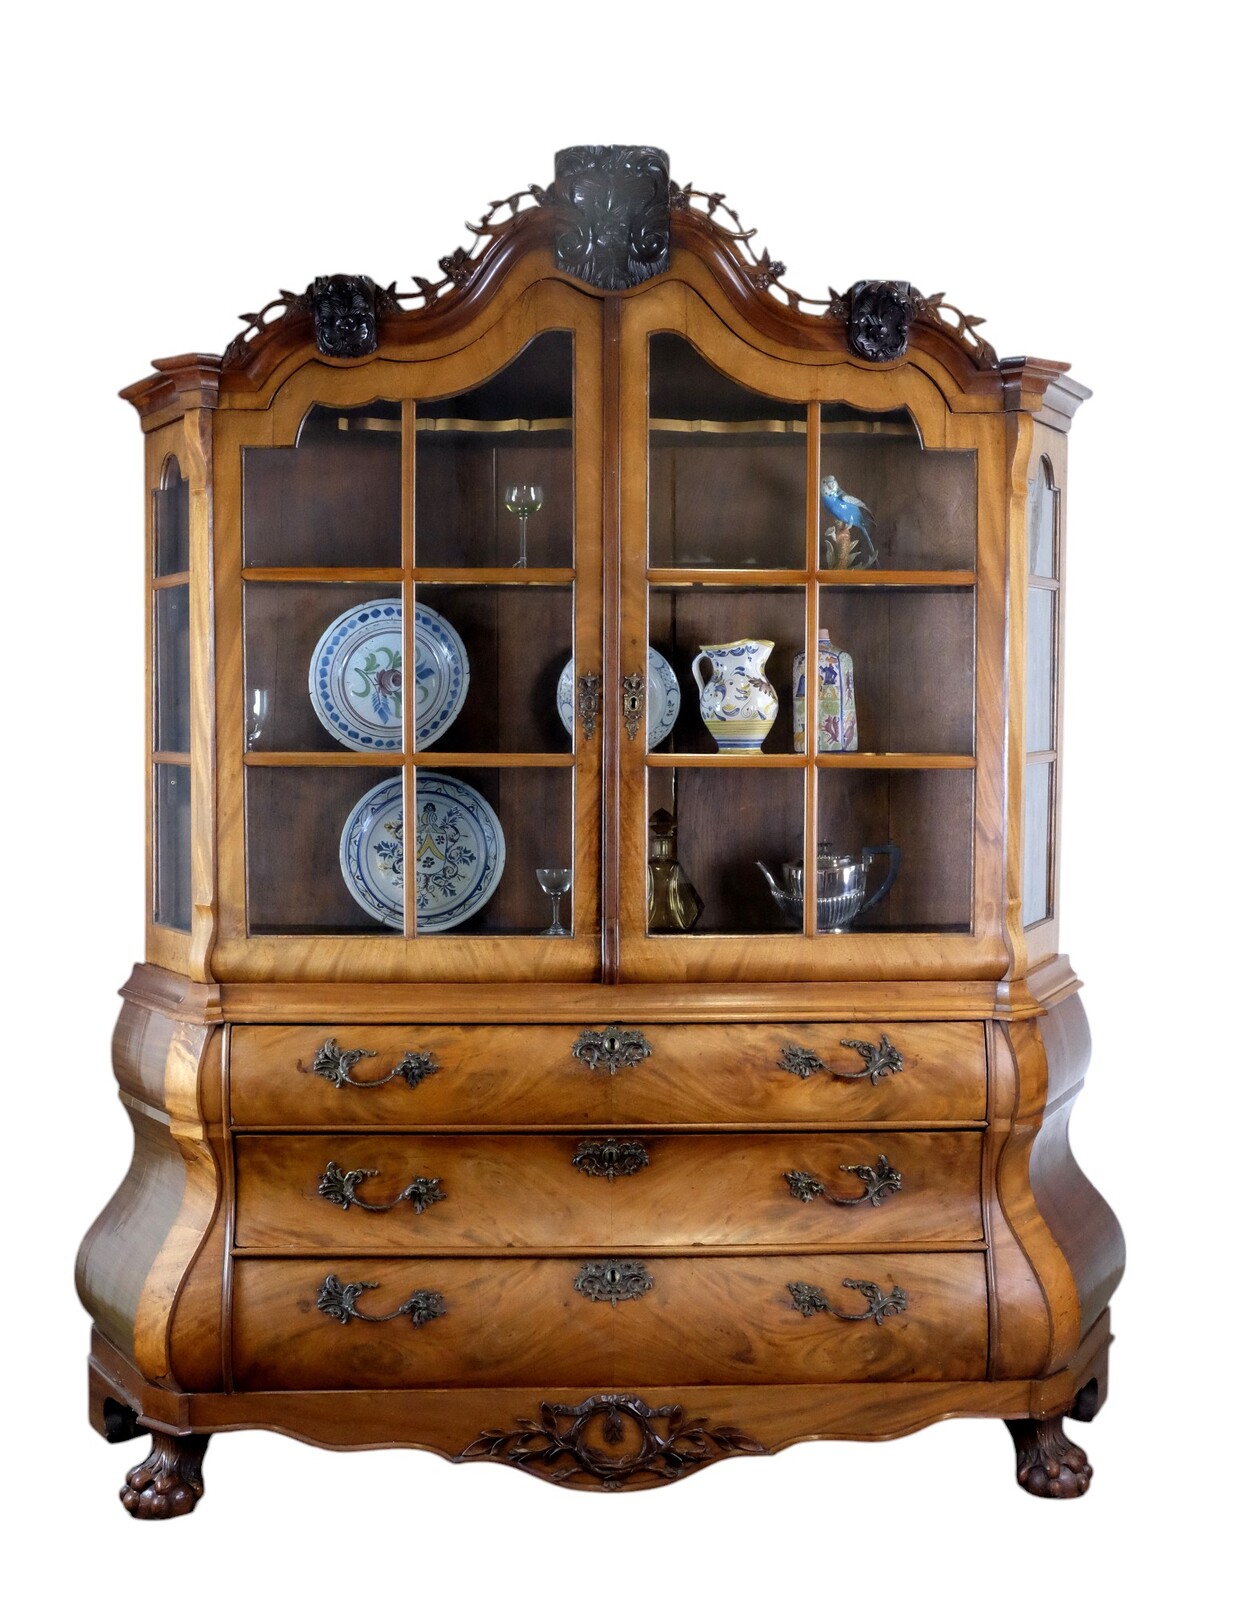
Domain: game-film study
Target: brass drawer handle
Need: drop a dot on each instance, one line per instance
(808, 1300)
(610, 1158)
(878, 1182)
(880, 1060)
(336, 1065)
(613, 1048)
(340, 1186)
(613, 1281)
(340, 1301)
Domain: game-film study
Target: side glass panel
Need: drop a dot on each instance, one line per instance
(331, 500)
(170, 669)
(172, 721)
(170, 522)
(493, 467)
(172, 846)
(728, 467)
(1042, 659)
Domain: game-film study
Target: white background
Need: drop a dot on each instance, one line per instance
(1071, 172)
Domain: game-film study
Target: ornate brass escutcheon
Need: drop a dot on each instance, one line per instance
(613, 1048)
(588, 695)
(633, 703)
(613, 1281)
(336, 1065)
(610, 1158)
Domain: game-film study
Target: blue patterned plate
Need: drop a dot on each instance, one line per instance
(356, 676)
(663, 698)
(458, 861)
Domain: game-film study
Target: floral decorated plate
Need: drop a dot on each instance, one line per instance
(663, 698)
(356, 676)
(458, 858)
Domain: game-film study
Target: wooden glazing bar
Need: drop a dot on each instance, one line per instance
(323, 574)
(905, 578)
(172, 580)
(410, 913)
(516, 577)
(172, 758)
(495, 758)
(321, 758)
(721, 758)
(1036, 758)
(733, 577)
(811, 796)
(897, 761)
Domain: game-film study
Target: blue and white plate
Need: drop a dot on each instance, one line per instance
(458, 859)
(356, 676)
(663, 698)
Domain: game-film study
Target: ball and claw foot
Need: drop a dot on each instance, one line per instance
(168, 1483)
(1048, 1464)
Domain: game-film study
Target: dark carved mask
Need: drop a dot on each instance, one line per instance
(878, 321)
(612, 213)
(344, 315)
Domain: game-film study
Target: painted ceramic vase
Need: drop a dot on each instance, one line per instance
(737, 703)
(835, 699)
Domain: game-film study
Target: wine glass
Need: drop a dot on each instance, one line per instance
(522, 499)
(556, 881)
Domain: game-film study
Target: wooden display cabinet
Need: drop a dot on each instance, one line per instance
(408, 1168)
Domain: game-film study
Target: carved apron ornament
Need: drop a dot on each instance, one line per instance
(611, 205)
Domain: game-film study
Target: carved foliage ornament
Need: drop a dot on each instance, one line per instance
(611, 208)
(611, 213)
(609, 1440)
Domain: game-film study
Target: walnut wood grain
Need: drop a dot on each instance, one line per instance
(524, 1191)
(511, 1320)
(695, 1074)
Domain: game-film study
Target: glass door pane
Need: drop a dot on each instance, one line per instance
(171, 675)
(477, 453)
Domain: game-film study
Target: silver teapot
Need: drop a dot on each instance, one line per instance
(842, 885)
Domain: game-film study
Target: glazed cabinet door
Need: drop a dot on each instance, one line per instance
(811, 683)
(409, 708)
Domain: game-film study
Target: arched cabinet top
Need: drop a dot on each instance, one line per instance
(611, 226)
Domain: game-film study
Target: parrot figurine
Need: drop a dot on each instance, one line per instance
(854, 518)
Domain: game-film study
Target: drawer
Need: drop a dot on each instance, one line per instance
(695, 1073)
(766, 1319)
(306, 1191)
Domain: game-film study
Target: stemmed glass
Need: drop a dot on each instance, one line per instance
(556, 881)
(522, 499)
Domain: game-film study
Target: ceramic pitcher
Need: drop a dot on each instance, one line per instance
(737, 703)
